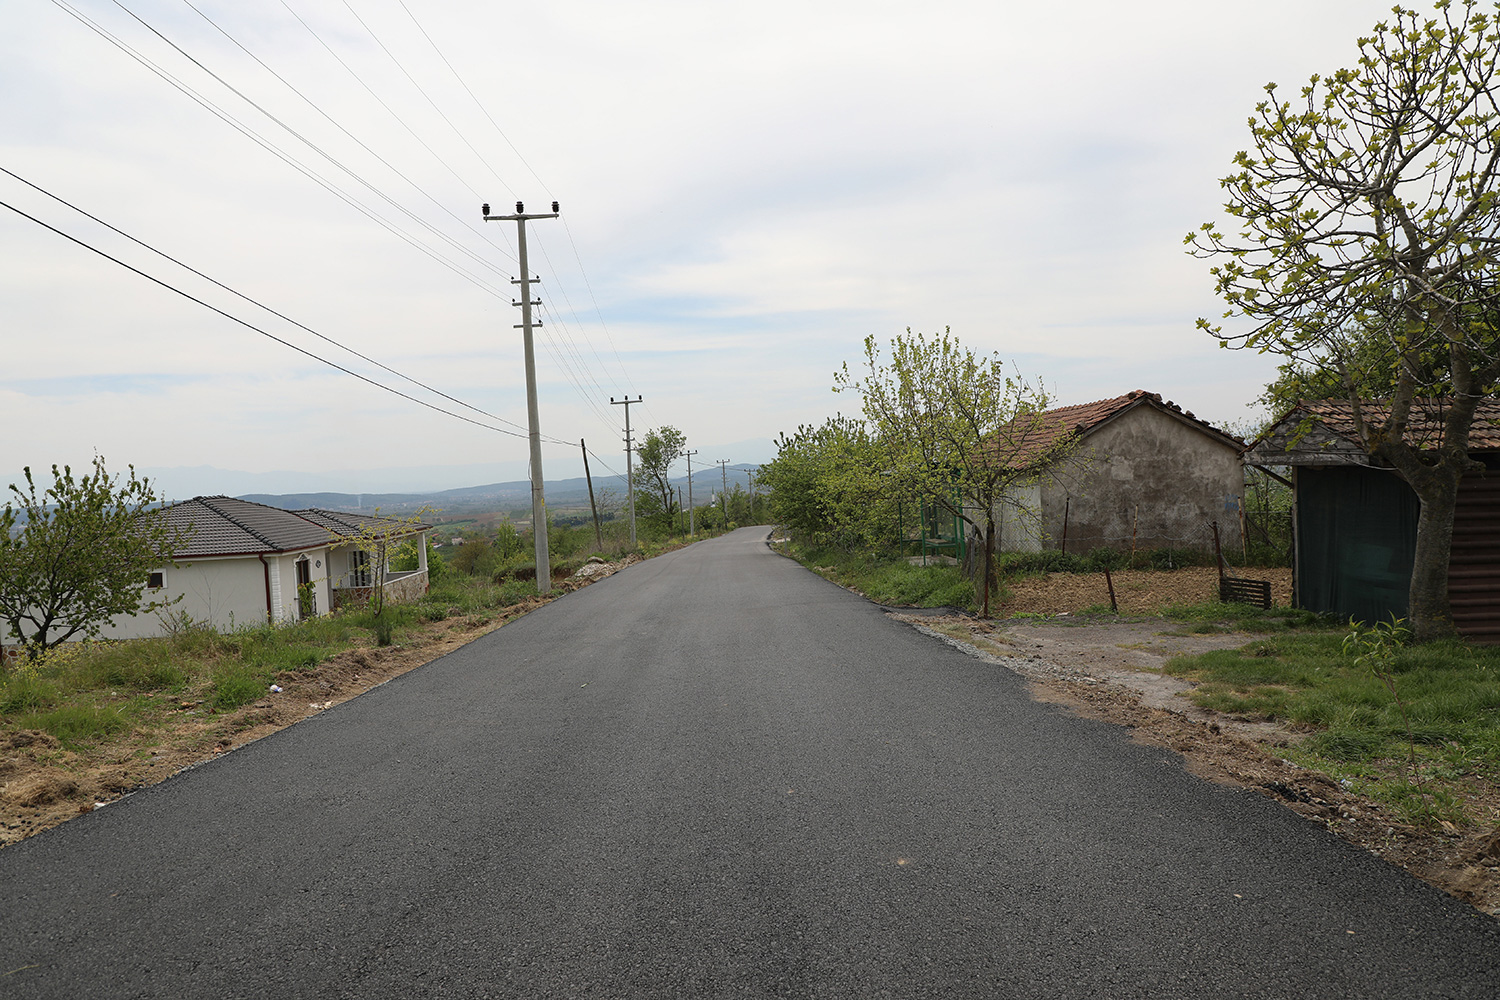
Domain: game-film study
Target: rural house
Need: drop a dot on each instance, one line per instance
(1355, 524)
(1141, 473)
(245, 563)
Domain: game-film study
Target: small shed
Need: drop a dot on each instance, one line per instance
(1142, 473)
(1355, 518)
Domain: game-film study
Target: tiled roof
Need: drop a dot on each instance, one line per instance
(348, 525)
(1033, 436)
(1424, 427)
(217, 526)
(1321, 432)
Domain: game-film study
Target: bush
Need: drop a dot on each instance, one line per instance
(1101, 559)
(235, 685)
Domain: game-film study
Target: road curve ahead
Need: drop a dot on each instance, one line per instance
(714, 775)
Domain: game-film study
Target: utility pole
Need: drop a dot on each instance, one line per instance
(598, 532)
(723, 465)
(629, 459)
(690, 455)
(533, 423)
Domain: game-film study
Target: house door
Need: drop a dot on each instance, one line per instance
(307, 598)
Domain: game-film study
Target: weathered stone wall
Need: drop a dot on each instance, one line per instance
(1149, 479)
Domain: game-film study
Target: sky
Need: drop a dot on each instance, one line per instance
(747, 192)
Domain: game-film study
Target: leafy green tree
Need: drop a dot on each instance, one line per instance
(660, 449)
(508, 541)
(78, 554)
(1368, 254)
(829, 484)
(956, 428)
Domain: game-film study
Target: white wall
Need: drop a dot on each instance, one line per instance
(224, 592)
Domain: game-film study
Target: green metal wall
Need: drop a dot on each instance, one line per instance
(1356, 533)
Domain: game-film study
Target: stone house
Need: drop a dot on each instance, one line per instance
(1135, 472)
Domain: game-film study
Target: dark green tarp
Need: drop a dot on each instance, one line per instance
(1356, 533)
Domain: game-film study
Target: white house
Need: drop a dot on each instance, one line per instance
(245, 563)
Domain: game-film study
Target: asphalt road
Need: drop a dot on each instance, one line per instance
(714, 775)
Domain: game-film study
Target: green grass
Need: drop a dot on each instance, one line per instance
(1356, 728)
(892, 581)
(83, 692)
(1215, 617)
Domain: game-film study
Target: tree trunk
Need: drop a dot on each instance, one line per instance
(989, 558)
(1430, 616)
(1429, 613)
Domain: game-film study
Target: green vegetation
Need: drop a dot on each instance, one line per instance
(888, 580)
(81, 692)
(1406, 725)
(84, 692)
(77, 554)
(1359, 251)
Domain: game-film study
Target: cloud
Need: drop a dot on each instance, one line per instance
(748, 192)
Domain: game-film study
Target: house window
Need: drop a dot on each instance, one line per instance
(359, 568)
(156, 580)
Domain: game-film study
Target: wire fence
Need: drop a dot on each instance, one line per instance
(1162, 537)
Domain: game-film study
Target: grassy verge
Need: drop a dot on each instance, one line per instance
(887, 579)
(84, 693)
(1416, 733)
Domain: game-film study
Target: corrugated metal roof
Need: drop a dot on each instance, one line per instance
(1032, 436)
(216, 526)
(348, 525)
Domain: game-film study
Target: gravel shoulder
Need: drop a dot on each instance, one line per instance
(1103, 668)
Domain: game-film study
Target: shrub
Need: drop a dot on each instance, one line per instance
(235, 685)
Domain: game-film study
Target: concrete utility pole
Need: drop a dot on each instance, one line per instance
(629, 459)
(690, 455)
(533, 423)
(723, 465)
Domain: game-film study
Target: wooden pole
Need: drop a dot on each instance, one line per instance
(598, 532)
(1067, 505)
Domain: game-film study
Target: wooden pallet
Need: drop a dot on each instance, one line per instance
(1235, 590)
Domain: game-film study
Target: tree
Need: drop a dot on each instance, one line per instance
(1369, 228)
(380, 537)
(828, 484)
(659, 451)
(956, 429)
(79, 554)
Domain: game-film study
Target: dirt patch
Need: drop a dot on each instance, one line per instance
(1110, 670)
(43, 784)
(1137, 591)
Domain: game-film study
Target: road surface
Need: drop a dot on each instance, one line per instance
(714, 775)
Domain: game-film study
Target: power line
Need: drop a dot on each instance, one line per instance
(265, 333)
(560, 351)
(335, 123)
(271, 148)
(252, 301)
(423, 92)
(597, 311)
(477, 102)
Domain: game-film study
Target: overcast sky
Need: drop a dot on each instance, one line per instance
(748, 191)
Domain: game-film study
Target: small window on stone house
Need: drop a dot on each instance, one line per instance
(156, 580)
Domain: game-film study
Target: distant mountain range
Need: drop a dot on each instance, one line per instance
(561, 493)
